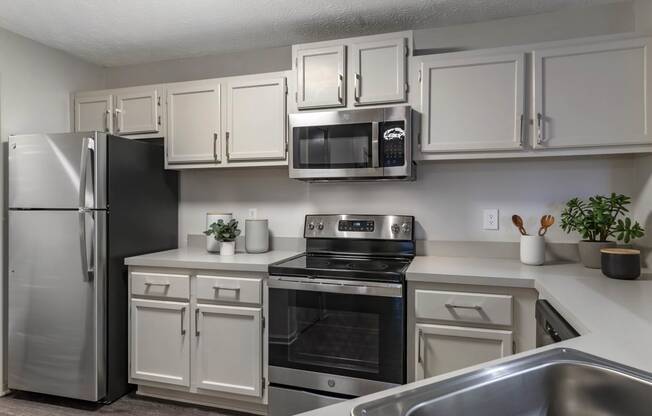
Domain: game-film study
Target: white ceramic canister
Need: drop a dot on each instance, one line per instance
(533, 250)
(256, 236)
(212, 245)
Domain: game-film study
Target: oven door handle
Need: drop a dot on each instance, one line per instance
(389, 290)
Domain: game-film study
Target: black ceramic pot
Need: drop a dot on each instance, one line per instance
(621, 263)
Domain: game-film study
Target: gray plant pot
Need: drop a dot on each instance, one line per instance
(590, 252)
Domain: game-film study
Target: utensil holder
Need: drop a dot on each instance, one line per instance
(533, 250)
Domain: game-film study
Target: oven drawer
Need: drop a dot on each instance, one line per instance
(229, 289)
(469, 307)
(168, 285)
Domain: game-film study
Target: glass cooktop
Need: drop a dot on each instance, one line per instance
(336, 266)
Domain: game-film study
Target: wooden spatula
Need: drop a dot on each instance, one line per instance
(518, 222)
(546, 222)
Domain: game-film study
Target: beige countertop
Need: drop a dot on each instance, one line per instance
(199, 258)
(614, 317)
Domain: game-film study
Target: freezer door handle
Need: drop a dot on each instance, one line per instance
(87, 267)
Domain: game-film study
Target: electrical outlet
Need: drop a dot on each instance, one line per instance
(252, 214)
(490, 219)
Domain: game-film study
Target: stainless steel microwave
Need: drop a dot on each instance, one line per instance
(367, 144)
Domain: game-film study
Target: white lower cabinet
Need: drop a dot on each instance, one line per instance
(228, 349)
(160, 341)
(444, 348)
(199, 337)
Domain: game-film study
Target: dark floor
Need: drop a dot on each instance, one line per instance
(29, 404)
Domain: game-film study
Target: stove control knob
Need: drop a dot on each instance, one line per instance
(405, 227)
(311, 226)
(320, 226)
(395, 228)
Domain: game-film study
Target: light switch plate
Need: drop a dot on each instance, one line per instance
(490, 219)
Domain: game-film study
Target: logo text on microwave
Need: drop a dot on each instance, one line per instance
(395, 133)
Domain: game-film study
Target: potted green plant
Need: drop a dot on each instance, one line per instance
(225, 233)
(597, 220)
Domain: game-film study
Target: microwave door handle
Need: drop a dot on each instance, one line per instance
(375, 148)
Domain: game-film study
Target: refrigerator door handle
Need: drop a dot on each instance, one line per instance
(88, 146)
(87, 267)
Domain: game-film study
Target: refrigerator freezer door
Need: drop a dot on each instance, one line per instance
(45, 171)
(56, 312)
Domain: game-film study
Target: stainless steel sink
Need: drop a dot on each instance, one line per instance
(559, 382)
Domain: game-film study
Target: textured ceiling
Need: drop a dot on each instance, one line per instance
(121, 32)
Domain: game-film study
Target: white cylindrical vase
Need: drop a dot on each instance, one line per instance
(533, 250)
(256, 236)
(212, 245)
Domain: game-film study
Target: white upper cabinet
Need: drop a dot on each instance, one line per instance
(321, 78)
(160, 341)
(94, 112)
(193, 116)
(379, 71)
(137, 111)
(256, 119)
(473, 104)
(228, 349)
(593, 95)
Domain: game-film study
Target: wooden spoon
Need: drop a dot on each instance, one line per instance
(518, 222)
(546, 222)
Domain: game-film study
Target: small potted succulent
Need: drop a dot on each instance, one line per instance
(225, 233)
(597, 220)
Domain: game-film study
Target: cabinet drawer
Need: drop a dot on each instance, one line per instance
(464, 307)
(160, 285)
(229, 289)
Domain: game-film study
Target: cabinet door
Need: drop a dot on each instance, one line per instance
(160, 341)
(228, 349)
(473, 104)
(193, 123)
(379, 72)
(256, 120)
(443, 348)
(94, 113)
(137, 111)
(321, 81)
(593, 95)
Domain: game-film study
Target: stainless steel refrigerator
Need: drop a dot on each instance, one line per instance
(79, 203)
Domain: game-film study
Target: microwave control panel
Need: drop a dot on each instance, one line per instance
(392, 138)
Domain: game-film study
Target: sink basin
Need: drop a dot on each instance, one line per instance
(559, 382)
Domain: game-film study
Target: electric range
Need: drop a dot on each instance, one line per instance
(337, 312)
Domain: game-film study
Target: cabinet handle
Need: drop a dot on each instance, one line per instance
(158, 120)
(235, 289)
(118, 116)
(227, 145)
(215, 146)
(539, 128)
(340, 78)
(157, 284)
(106, 120)
(356, 89)
(420, 360)
(453, 306)
(197, 322)
(183, 315)
(522, 130)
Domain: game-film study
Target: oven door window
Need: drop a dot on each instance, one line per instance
(341, 146)
(350, 335)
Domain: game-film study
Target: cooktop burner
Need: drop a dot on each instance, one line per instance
(338, 266)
